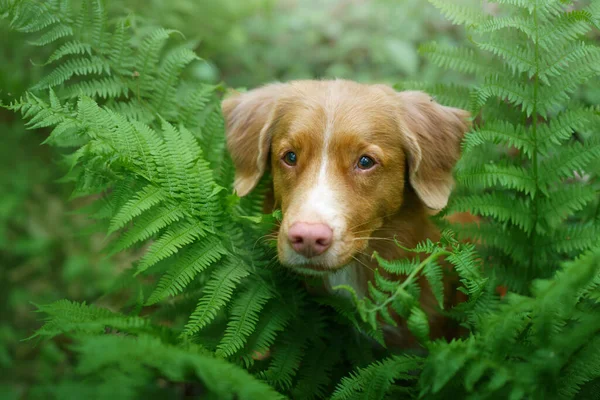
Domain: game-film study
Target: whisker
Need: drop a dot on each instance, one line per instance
(265, 238)
(362, 253)
(373, 219)
(395, 229)
(373, 238)
(363, 264)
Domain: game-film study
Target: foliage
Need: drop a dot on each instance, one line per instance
(541, 346)
(523, 164)
(258, 41)
(206, 311)
(44, 253)
(386, 295)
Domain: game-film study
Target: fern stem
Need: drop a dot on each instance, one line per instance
(410, 278)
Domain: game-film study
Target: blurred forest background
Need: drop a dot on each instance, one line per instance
(45, 251)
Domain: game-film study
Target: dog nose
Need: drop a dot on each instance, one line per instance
(310, 239)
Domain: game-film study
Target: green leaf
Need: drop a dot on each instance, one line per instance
(419, 325)
(435, 276)
(217, 292)
(193, 262)
(245, 312)
(142, 201)
(170, 242)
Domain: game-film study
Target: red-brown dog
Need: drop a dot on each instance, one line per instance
(353, 166)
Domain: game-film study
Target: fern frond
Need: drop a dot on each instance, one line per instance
(458, 14)
(149, 56)
(504, 88)
(146, 226)
(245, 311)
(572, 239)
(104, 88)
(499, 132)
(571, 158)
(585, 368)
(177, 162)
(286, 359)
(133, 110)
(418, 325)
(518, 60)
(117, 50)
(545, 9)
(468, 267)
(565, 27)
(217, 292)
(96, 23)
(42, 114)
(373, 381)
(64, 316)
(518, 22)
(456, 58)
(146, 198)
(170, 242)
(193, 262)
(564, 202)
(194, 103)
(169, 74)
(562, 127)
(314, 376)
(52, 35)
(32, 17)
(435, 275)
(272, 321)
(70, 48)
(213, 143)
(397, 267)
(558, 62)
(452, 94)
(508, 176)
(499, 206)
(143, 355)
(553, 96)
(74, 67)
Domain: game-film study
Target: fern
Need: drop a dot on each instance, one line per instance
(542, 67)
(123, 115)
(272, 322)
(532, 209)
(65, 316)
(286, 359)
(194, 261)
(403, 297)
(244, 317)
(529, 340)
(375, 380)
(205, 301)
(123, 353)
(217, 291)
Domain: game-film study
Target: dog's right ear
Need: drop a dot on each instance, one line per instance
(249, 122)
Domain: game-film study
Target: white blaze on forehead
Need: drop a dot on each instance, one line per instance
(322, 202)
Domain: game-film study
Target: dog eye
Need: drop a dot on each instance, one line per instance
(290, 158)
(365, 162)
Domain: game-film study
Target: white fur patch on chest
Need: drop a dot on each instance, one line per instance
(350, 276)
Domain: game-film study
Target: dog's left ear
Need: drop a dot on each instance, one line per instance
(432, 135)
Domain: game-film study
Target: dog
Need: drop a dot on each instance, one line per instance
(354, 166)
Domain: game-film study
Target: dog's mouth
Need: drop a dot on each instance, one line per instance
(320, 265)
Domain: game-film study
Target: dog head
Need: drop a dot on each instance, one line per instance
(340, 154)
